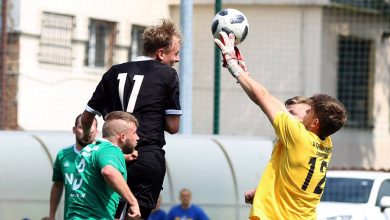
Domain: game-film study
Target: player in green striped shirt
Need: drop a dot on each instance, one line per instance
(64, 167)
(100, 176)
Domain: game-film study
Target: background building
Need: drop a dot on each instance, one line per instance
(303, 47)
(53, 53)
(57, 51)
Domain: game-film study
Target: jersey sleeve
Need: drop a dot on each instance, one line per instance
(113, 157)
(57, 171)
(173, 102)
(99, 98)
(289, 130)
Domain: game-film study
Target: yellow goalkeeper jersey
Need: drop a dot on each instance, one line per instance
(292, 183)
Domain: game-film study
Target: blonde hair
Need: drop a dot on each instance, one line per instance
(117, 122)
(297, 100)
(160, 36)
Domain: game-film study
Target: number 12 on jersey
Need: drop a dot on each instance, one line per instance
(322, 168)
(134, 92)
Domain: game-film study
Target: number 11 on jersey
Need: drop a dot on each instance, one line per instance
(134, 92)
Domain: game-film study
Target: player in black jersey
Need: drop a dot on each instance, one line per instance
(149, 89)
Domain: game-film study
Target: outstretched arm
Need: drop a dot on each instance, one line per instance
(261, 96)
(256, 92)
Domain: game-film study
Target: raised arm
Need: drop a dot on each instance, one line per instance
(256, 92)
(260, 96)
(86, 124)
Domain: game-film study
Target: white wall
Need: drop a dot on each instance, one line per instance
(293, 51)
(359, 147)
(282, 51)
(50, 96)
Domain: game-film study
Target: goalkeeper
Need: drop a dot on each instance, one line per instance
(292, 183)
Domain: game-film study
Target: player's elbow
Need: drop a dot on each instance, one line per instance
(107, 172)
(260, 97)
(172, 131)
(172, 124)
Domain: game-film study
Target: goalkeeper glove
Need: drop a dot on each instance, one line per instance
(240, 59)
(230, 59)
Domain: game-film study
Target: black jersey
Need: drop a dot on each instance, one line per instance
(148, 89)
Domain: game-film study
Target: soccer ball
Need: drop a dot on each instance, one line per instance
(230, 21)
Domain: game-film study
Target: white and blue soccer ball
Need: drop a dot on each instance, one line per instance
(230, 21)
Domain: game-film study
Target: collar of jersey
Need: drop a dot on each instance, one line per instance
(143, 58)
(75, 149)
(105, 140)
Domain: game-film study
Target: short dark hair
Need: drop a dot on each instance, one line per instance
(160, 36)
(330, 112)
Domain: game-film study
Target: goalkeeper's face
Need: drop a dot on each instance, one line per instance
(299, 110)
